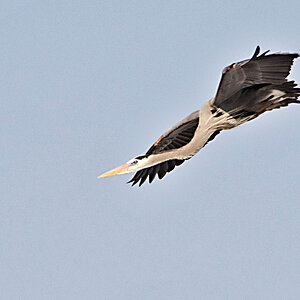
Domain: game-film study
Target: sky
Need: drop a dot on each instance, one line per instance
(88, 85)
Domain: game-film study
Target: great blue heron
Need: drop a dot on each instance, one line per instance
(246, 90)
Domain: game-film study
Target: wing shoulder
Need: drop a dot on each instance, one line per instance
(178, 136)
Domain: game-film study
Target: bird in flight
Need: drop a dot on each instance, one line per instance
(247, 89)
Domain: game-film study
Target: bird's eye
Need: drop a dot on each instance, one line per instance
(134, 162)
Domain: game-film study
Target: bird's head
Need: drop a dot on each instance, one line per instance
(133, 165)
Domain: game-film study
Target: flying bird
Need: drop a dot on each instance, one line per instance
(247, 89)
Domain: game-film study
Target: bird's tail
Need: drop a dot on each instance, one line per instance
(281, 95)
(265, 97)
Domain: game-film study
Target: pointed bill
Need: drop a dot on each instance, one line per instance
(117, 171)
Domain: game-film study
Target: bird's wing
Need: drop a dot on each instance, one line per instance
(258, 70)
(178, 136)
(175, 138)
(160, 169)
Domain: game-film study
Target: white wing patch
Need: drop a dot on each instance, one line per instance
(277, 94)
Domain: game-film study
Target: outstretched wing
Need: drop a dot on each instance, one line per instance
(161, 169)
(259, 70)
(175, 138)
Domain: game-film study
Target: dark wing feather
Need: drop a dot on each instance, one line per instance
(153, 172)
(163, 168)
(262, 69)
(177, 138)
(160, 169)
(143, 178)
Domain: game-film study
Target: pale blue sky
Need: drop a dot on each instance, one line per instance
(85, 86)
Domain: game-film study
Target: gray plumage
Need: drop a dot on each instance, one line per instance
(246, 90)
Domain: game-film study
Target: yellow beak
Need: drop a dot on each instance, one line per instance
(117, 171)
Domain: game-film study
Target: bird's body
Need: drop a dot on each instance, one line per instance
(247, 89)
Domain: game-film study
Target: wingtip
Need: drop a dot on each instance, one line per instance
(256, 52)
(131, 182)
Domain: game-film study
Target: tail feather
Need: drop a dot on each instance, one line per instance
(280, 96)
(252, 101)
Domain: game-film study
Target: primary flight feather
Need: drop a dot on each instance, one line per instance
(246, 90)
